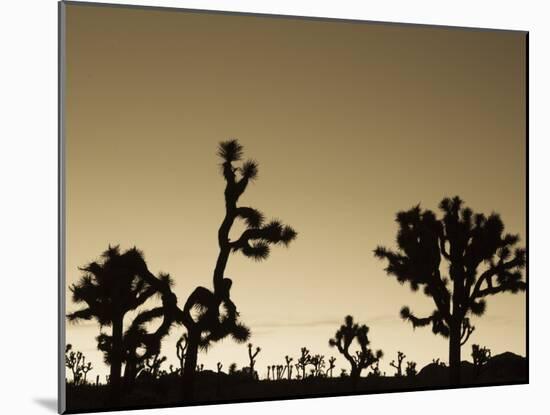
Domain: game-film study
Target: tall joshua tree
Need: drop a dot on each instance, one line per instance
(209, 326)
(482, 260)
(252, 357)
(343, 339)
(110, 288)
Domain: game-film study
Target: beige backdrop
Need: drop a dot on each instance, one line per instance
(350, 123)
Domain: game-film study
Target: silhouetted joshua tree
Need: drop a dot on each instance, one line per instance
(110, 288)
(153, 365)
(181, 347)
(318, 363)
(400, 357)
(331, 365)
(410, 370)
(344, 338)
(375, 370)
(252, 357)
(480, 357)
(209, 326)
(232, 368)
(303, 361)
(86, 367)
(76, 362)
(482, 261)
(288, 361)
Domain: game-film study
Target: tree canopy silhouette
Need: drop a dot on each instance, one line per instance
(110, 288)
(343, 339)
(482, 260)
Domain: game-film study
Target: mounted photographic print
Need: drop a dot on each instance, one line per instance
(258, 207)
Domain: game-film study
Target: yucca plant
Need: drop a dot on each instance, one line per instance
(344, 338)
(480, 258)
(410, 370)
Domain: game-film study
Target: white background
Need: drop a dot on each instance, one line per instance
(28, 202)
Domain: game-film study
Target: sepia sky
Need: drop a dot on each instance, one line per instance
(350, 123)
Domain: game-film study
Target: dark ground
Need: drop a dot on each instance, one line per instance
(506, 368)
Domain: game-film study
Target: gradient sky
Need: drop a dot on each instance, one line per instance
(350, 123)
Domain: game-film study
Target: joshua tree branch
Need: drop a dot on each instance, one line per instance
(493, 271)
(467, 330)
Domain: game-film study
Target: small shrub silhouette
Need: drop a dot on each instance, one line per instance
(438, 362)
(343, 339)
(375, 370)
(318, 363)
(410, 370)
(153, 365)
(480, 357)
(482, 259)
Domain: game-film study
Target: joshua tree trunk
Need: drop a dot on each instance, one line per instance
(129, 374)
(116, 358)
(190, 366)
(455, 325)
(355, 373)
(454, 352)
